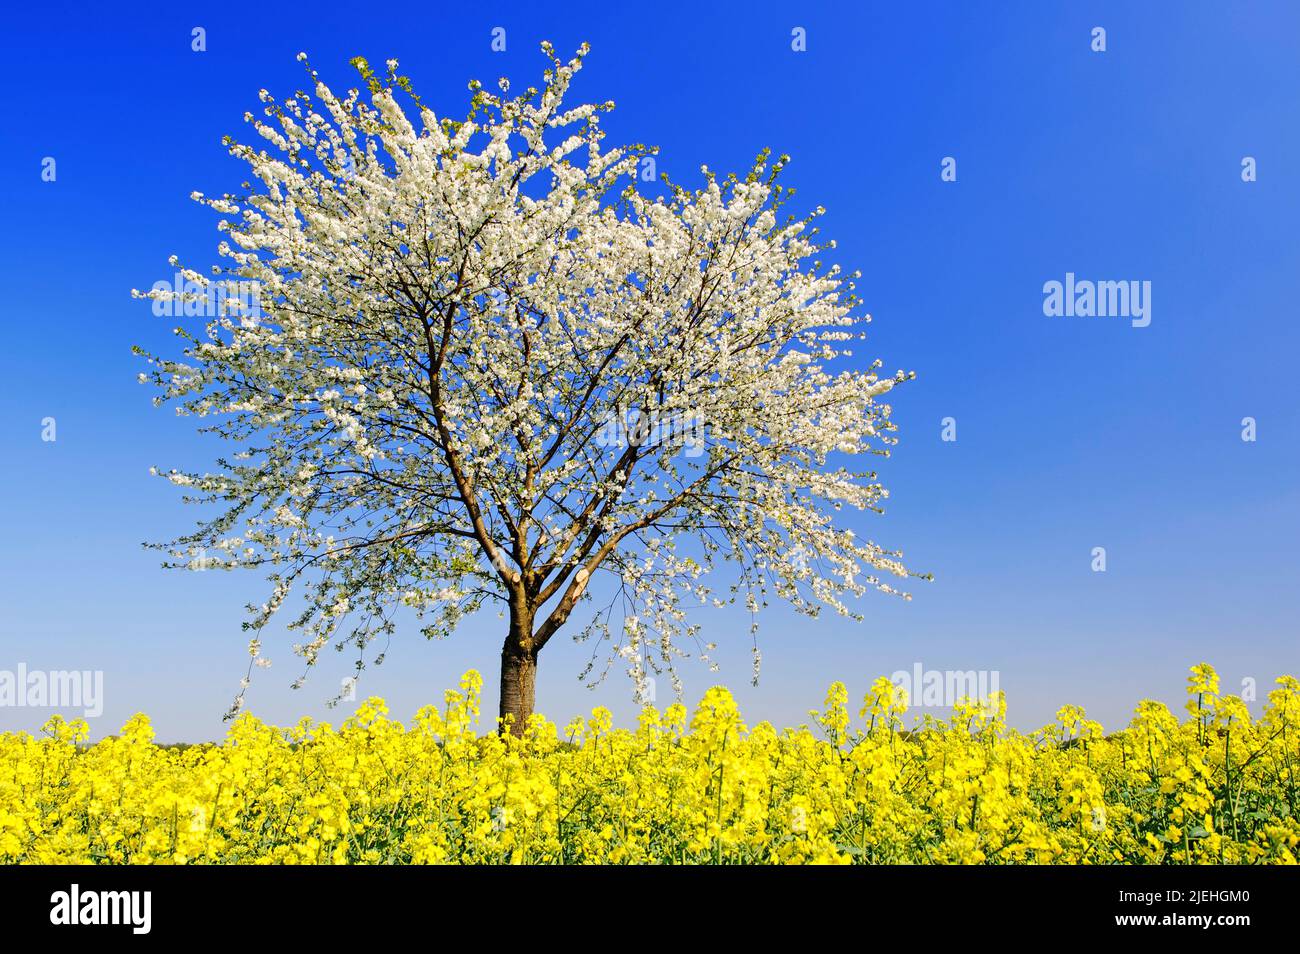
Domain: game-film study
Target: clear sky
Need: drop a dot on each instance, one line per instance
(1072, 432)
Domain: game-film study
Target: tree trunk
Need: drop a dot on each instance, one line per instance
(518, 685)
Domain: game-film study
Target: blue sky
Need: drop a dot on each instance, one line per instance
(1072, 433)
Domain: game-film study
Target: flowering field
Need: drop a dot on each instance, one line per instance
(1210, 787)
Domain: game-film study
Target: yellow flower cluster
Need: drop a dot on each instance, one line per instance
(1214, 787)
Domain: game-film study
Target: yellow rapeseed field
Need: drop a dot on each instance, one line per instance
(1211, 787)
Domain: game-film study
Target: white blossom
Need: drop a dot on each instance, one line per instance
(451, 310)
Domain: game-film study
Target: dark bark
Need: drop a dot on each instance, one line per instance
(524, 643)
(518, 686)
(518, 669)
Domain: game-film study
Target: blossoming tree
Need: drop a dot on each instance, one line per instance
(483, 367)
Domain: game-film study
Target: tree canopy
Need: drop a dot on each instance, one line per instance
(485, 364)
